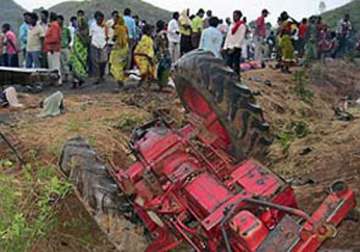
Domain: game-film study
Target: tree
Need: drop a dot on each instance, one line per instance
(322, 7)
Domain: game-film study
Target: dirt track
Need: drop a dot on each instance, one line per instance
(106, 118)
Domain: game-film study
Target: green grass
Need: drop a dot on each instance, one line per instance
(292, 131)
(27, 209)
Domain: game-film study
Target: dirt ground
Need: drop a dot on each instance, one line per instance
(311, 143)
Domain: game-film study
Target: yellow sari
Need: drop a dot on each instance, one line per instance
(145, 57)
(120, 51)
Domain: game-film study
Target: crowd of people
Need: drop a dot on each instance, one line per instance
(96, 46)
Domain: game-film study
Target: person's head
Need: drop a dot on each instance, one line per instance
(221, 21)
(160, 26)
(27, 17)
(5, 28)
(187, 12)
(53, 17)
(60, 19)
(319, 19)
(312, 20)
(33, 19)
(332, 35)
(213, 22)
(347, 17)
(201, 13)
(176, 15)
(284, 16)
(44, 16)
(80, 13)
(209, 13)
(237, 15)
(73, 21)
(127, 12)
(147, 29)
(265, 13)
(192, 17)
(99, 17)
(137, 19)
(304, 21)
(228, 21)
(115, 15)
(245, 20)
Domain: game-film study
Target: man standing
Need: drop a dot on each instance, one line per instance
(131, 25)
(98, 53)
(23, 33)
(73, 29)
(174, 37)
(234, 42)
(44, 23)
(211, 38)
(10, 56)
(35, 40)
(65, 49)
(260, 36)
(185, 32)
(344, 31)
(52, 45)
(110, 25)
(303, 30)
(207, 19)
(197, 26)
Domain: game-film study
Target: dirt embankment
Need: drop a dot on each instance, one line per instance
(310, 142)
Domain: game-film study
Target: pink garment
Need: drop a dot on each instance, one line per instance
(255, 64)
(10, 47)
(245, 67)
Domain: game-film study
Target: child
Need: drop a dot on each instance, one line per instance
(144, 55)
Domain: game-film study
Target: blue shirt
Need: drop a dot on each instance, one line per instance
(211, 40)
(131, 25)
(23, 32)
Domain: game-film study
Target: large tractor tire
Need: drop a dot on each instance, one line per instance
(210, 89)
(101, 196)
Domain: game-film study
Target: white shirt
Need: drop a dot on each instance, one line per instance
(72, 33)
(98, 36)
(173, 31)
(235, 40)
(110, 24)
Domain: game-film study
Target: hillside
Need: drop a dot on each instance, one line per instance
(353, 8)
(144, 10)
(12, 15)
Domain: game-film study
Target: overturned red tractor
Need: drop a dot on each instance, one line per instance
(198, 187)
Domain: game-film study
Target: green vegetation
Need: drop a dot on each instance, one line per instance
(293, 131)
(11, 13)
(353, 8)
(27, 209)
(301, 87)
(128, 121)
(143, 10)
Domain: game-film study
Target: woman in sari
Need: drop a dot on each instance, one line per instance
(120, 51)
(79, 54)
(145, 55)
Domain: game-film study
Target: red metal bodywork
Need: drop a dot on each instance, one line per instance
(186, 188)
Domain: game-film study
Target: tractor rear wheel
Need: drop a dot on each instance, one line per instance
(101, 196)
(208, 88)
